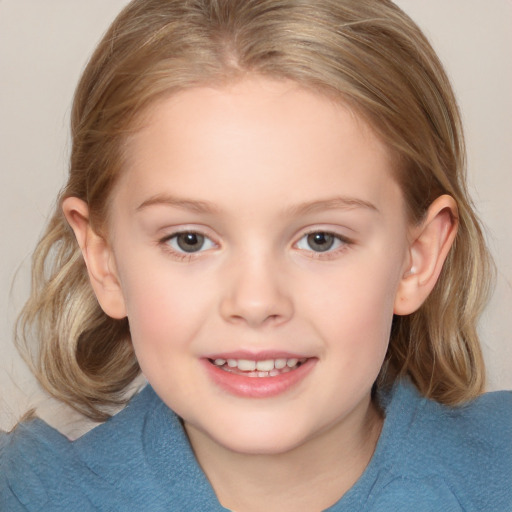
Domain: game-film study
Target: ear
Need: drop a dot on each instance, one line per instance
(98, 257)
(430, 243)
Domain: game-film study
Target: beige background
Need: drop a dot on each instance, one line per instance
(45, 44)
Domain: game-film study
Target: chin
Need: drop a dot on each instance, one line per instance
(264, 437)
(270, 445)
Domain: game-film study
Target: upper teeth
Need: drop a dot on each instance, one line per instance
(248, 365)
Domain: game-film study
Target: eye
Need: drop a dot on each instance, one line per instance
(320, 241)
(189, 242)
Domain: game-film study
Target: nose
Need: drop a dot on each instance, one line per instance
(256, 293)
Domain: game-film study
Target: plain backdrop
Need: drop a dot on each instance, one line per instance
(44, 45)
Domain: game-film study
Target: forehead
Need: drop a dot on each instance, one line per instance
(255, 135)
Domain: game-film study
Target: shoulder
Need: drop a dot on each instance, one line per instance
(481, 426)
(480, 430)
(40, 469)
(467, 449)
(28, 455)
(120, 440)
(141, 460)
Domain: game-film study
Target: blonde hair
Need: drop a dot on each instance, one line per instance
(366, 53)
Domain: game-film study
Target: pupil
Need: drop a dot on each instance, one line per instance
(320, 242)
(190, 242)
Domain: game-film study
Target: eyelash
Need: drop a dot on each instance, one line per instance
(181, 254)
(340, 242)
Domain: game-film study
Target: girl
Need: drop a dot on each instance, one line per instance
(268, 218)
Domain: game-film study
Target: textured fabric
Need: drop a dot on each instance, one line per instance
(428, 458)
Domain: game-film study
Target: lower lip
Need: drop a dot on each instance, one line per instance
(258, 387)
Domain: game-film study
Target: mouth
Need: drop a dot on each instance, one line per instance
(263, 376)
(259, 369)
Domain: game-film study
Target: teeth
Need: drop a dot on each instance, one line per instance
(265, 367)
(246, 365)
(279, 364)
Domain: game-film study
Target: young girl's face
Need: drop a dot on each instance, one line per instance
(259, 240)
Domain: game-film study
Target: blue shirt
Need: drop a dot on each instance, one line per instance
(429, 458)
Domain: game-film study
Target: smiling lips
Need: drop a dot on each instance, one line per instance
(264, 368)
(262, 378)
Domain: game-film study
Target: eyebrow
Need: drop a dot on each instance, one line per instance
(334, 203)
(177, 202)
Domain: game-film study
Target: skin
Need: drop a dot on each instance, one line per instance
(254, 168)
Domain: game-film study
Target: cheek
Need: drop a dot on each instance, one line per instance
(157, 307)
(160, 331)
(355, 308)
(363, 331)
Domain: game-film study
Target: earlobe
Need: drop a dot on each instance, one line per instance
(98, 258)
(430, 244)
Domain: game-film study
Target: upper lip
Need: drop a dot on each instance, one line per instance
(256, 356)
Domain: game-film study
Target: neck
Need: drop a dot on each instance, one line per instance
(310, 477)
